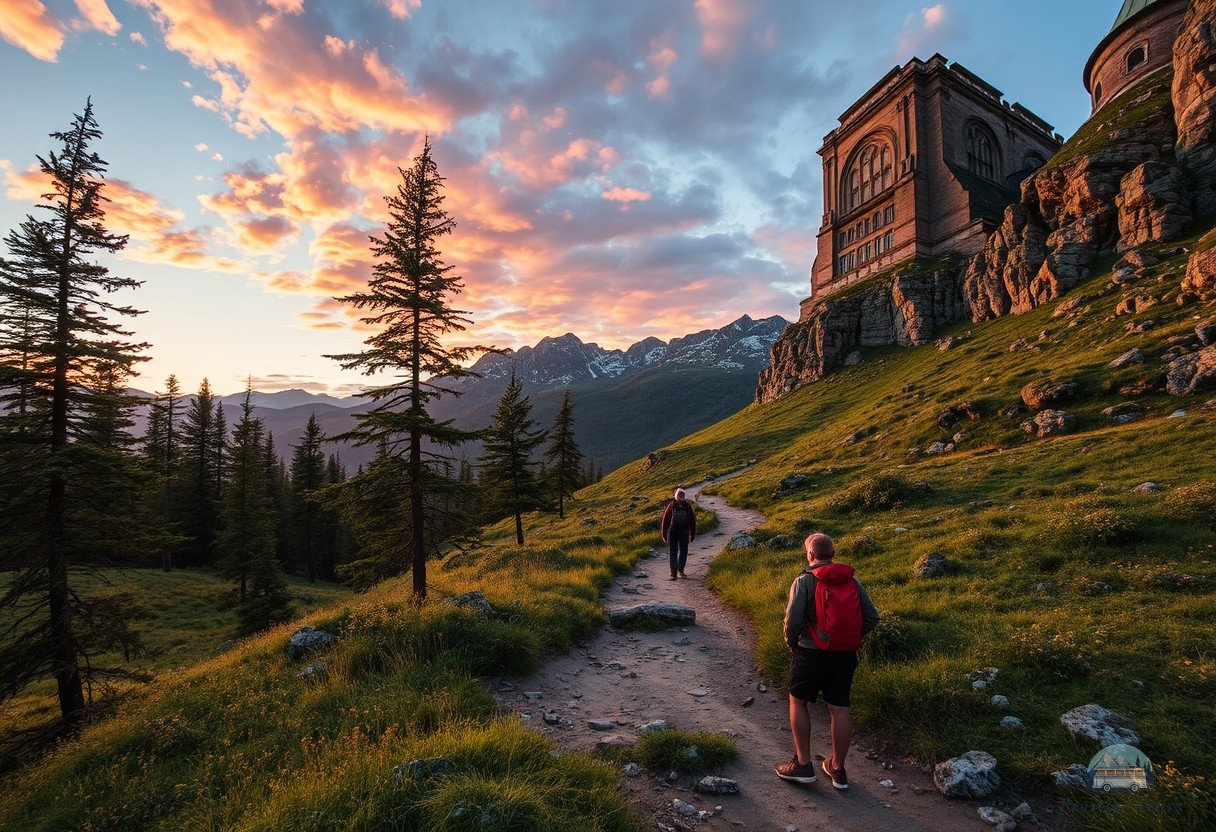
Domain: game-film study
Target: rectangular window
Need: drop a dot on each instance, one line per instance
(889, 214)
(843, 265)
(869, 250)
(890, 240)
(878, 247)
(867, 226)
(877, 220)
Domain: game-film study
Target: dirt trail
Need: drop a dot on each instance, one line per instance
(634, 678)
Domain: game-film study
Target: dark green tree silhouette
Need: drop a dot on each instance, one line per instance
(408, 305)
(563, 456)
(160, 449)
(508, 470)
(58, 311)
(198, 496)
(309, 534)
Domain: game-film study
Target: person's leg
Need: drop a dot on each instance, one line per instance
(842, 734)
(683, 551)
(673, 544)
(800, 729)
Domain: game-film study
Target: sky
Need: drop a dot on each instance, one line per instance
(616, 169)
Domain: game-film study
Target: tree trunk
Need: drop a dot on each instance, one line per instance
(519, 528)
(417, 518)
(561, 506)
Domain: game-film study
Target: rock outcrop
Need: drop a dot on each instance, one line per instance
(1154, 205)
(902, 306)
(1194, 98)
(1067, 214)
(1201, 267)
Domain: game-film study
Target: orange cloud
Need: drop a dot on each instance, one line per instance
(662, 58)
(98, 15)
(625, 195)
(28, 25)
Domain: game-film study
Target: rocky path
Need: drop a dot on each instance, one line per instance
(698, 678)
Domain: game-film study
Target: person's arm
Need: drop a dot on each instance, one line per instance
(665, 521)
(869, 612)
(795, 613)
(692, 522)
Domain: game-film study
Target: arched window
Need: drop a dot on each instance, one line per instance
(1098, 92)
(981, 151)
(870, 175)
(1135, 58)
(1033, 161)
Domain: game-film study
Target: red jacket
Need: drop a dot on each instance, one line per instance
(665, 523)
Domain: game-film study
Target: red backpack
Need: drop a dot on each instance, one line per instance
(837, 625)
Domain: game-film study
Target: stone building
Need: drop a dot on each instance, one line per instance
(1141, 41)
(923, 164)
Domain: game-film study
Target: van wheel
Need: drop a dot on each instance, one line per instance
(1135, 787)
(1106, 787)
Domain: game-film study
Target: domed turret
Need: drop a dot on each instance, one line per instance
(1141, 41)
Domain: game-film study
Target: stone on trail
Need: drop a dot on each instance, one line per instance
(1097, 723)
(969, 775)
(307, 640)
(613, 741)
(671, 614)
(887, 784)
(685, 809)
(601, 724)
(716, 785)
(748, 702)
(993, 815)
(631, 770)
(656, 725)
(698, 692)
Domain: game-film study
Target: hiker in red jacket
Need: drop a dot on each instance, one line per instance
(678, 528)
(826, 617)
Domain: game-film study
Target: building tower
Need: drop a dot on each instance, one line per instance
(1141, 41)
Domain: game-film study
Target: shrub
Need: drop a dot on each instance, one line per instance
(1090, 525)
(1193, 502)
(894, 639)
(676, 750)
(877, 493)
(1059, 653)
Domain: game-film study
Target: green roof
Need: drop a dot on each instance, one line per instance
(1130, 9)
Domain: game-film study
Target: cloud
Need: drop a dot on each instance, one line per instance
(201, 147)
(723, 24)
(217, 157)
(625, 195)
(98, 15)
(927, 31)
(27, 24)
(402, 9)
(136, 37)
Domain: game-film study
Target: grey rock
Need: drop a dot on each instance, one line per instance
(1098, 723)
(1022, 811)
(601, 725)
(1132, 356)
(631, 770)
(783, 541)
(853, 359)
(656, 725)
(474, 600)
(1050, 423)
(999, 701)
(421, 769)
(613, 741)
(1146, 488)
(993, 815)
(1012, 723)
(551, 718)
(313, 673)
(1206, 333)
(671, 614)
(969, 775)
(933, 565)
(741, 541)
(683, 808)
(307, 640)
(1124, 409)
(936, 448)
(1076, 776)
(1039, 394)
(1192, 373)
(716, 785)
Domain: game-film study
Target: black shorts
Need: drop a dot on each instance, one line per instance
(819, 671)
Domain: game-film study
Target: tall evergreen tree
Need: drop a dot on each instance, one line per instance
(308, 474)
(563, 455)
(246, 543)
(160, 448)
(408, 304)
(507, 466)
(198, 496)
(219, 447)
(58, 315)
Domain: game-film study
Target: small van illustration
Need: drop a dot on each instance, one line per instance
(1122, 768)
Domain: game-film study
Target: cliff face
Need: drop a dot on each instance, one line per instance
(1194, 96)
(903, 306)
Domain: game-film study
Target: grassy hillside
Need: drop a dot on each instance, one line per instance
(187, 616)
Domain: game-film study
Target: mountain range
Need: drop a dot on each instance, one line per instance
(627, 402)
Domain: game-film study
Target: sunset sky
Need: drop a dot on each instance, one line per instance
(617, 169)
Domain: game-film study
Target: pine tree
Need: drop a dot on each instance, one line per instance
(198, 496)
(246, 542)
(160, 448)
(58, 331)
(407, 303)
(563, 455)
(307, 475)
(219, 447)
(507, 465)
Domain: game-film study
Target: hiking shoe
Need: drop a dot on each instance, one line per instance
(673, 576)
(682, 575)
(796, 771)
(837, 775)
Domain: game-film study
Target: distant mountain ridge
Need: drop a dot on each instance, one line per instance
(627, 402)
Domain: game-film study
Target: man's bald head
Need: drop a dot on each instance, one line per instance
(819, 547)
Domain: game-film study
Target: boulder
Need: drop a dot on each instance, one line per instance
(1012, 723)
(1192, 373)
(1206, 333)
(1071, 305)
(1124, 412)
(1097, 723)
(1045, 393)
(1132, 356)
(783, 541)
(853, 359)
(993, 815)
(1134, 304)
(1193, 94)
(1050, 423)
(1154, 205)
(474, 600)
(716, 785)
(933, 565)
(307, 640)
(1136, 259)
(673, 615)
(421, 770)
(791, 483)
(955, 413)
(1076, 776)
(741, 541)
(936, 448)
(969, 775)
(999, 701)
(683, 808)
(1201, 269)
(653, 460)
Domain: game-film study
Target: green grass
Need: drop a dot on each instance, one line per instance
(685, 751)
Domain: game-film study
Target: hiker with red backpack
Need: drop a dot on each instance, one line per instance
(678, 526)
(826, 617)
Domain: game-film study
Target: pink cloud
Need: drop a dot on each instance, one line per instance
(136, 37)
(27, 24)
(723, 24)
(98, 15)
(625, 195)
